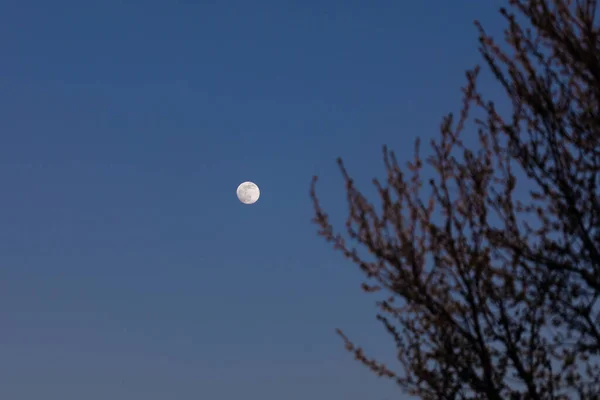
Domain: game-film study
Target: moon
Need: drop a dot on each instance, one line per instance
(248, 193)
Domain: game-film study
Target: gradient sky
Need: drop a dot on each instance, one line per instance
(129, 270)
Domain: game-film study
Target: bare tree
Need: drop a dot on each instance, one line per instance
(491, 271)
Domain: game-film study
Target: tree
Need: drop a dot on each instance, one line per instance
(492, 292)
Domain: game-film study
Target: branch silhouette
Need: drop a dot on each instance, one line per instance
(490, 272)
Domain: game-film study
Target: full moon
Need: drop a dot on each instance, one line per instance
(248, 193)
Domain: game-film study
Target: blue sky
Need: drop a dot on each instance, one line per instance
(129, 268)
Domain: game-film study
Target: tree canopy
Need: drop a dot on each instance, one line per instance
(489, 273)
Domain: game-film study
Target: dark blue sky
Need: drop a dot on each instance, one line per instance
(129, 268)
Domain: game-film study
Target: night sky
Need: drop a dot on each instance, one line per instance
(129, 269)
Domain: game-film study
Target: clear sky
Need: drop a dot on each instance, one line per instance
(129, 269)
